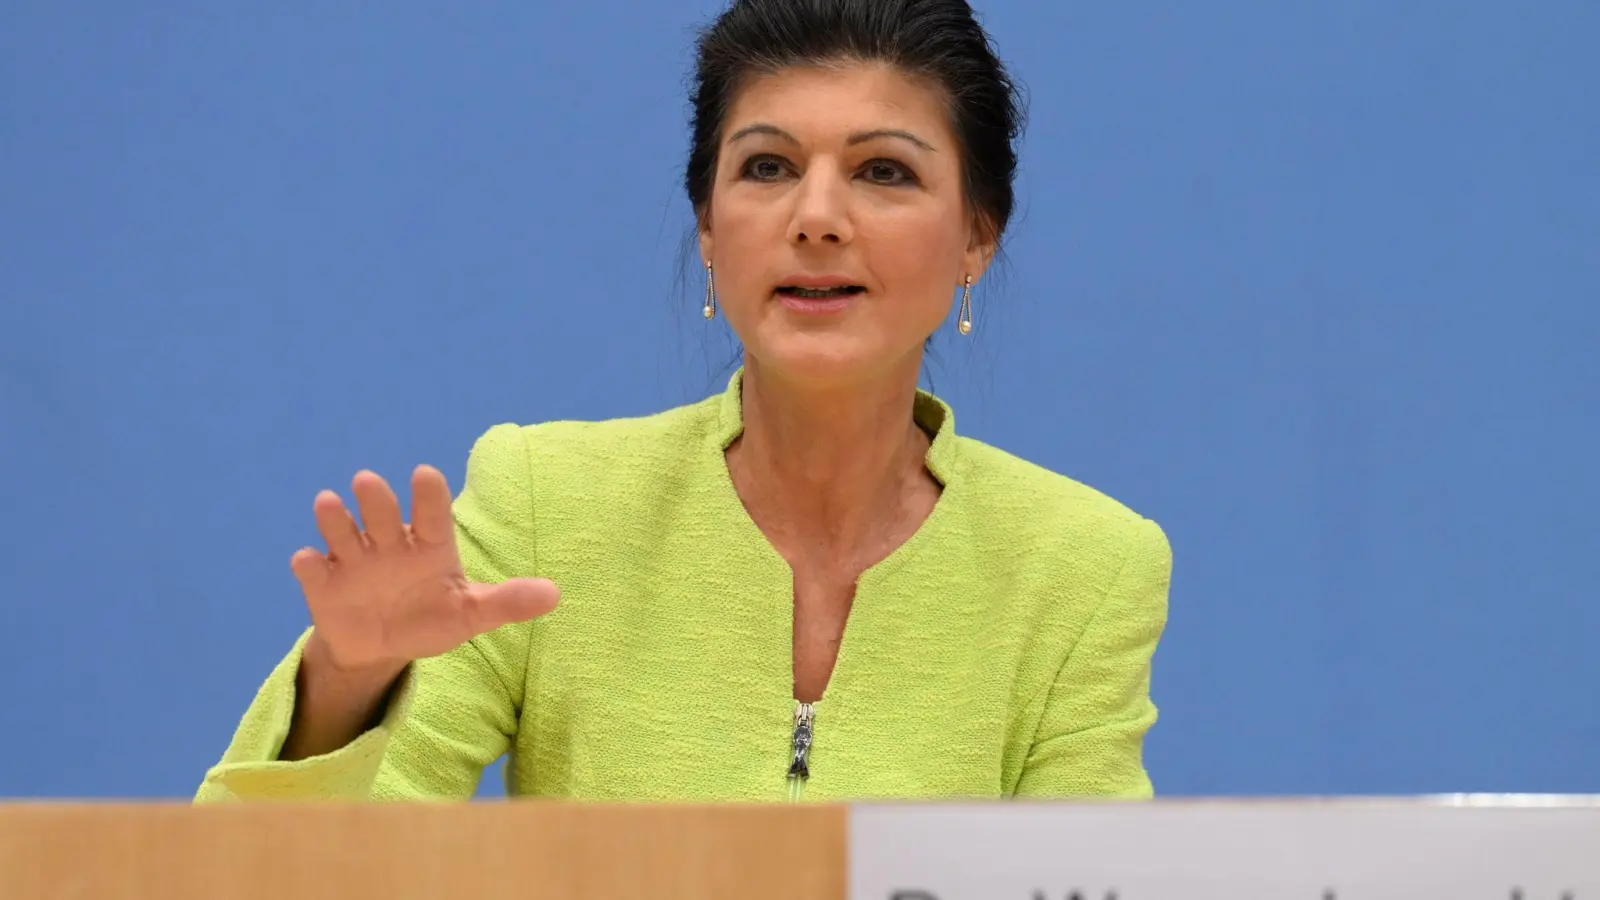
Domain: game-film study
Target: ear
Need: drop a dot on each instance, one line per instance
(980, 251)
(705, 240)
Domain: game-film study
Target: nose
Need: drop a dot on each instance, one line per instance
(822, 208)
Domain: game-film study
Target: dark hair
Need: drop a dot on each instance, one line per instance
(938, 40)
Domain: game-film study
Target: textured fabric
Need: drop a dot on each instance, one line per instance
(1004, 650)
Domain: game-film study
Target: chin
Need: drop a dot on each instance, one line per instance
(823, 357)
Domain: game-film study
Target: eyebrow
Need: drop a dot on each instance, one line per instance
(859, 137)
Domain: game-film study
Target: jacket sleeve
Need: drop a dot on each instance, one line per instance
(1091, 734)
(449, 716)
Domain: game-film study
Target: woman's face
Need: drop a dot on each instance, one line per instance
(838, 228)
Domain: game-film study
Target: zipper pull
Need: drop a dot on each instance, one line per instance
(800, 762)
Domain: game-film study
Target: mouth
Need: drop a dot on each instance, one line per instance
(796, 292)
(818, 301)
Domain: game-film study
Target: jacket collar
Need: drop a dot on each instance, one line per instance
(932, 414)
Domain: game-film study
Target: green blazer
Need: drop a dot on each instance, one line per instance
(1004, 650)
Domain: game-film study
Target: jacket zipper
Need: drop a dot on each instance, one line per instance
(800, 755)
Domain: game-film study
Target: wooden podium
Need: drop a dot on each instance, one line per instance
(478, 851)
(1465, 847)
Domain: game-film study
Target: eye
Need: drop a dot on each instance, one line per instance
(887, 172)
(764, 168)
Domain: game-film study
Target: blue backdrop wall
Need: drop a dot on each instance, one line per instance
(1314, 284)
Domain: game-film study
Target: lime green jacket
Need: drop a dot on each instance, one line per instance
(1004, 650)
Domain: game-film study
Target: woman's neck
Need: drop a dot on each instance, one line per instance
(829, 467)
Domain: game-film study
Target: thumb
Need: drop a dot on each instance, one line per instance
(517, 600)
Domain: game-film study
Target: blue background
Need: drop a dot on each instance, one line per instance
(1312, 284)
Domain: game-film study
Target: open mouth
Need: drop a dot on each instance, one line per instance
(831, 293)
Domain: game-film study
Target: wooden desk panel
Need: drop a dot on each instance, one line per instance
(480, 851)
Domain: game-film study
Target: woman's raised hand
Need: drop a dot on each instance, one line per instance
(387, 593)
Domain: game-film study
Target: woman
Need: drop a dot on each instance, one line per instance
(807, 586)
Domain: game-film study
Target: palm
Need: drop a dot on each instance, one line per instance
(396, 592)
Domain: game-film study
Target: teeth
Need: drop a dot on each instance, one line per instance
(819, 293)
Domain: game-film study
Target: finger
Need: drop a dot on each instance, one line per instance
(380, 510)
(309, 567)
(338, 529)
(489, 606)
(430, 506)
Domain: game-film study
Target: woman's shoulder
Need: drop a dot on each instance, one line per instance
(1020, 504)
(630, 446)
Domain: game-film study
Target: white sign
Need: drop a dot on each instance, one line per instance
(1442, 849)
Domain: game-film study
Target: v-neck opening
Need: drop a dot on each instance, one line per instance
(940, 460)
